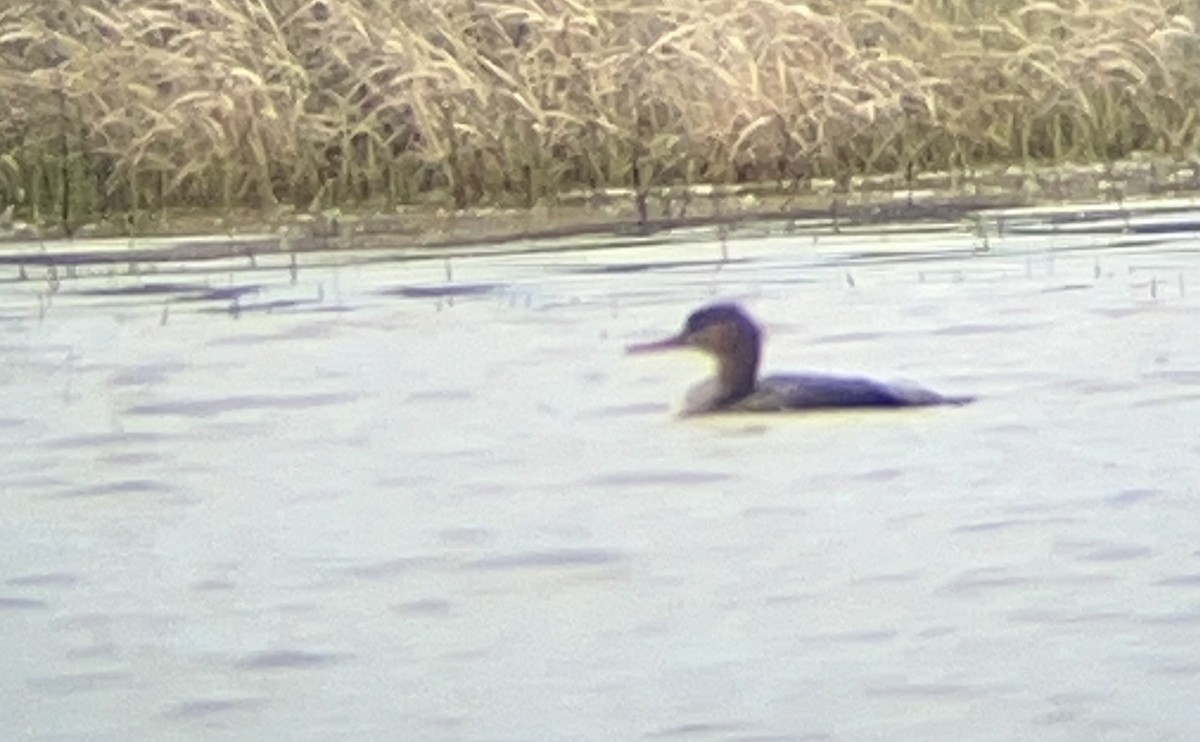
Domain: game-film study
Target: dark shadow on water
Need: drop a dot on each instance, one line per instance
(902, 256)
(647, 267)
(143, 289)
(224, 294)
(441, 291)
(1069, 287)
(237, 308)
(1109, 221)
(184, 292)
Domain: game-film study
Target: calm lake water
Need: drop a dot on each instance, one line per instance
(379, 497)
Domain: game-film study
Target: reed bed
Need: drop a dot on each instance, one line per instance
(123, 110)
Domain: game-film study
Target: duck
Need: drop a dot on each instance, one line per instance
(733, 339)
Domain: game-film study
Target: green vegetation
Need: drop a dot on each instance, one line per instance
(123, 110)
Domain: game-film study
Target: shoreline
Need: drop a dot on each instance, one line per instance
(615, 213)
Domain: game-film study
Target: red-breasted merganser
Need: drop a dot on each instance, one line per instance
(729, 335)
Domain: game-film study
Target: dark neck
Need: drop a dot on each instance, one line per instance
(737, 372)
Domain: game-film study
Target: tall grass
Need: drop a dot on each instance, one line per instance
(125, 109)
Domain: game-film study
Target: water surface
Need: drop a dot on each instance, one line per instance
(362, 498)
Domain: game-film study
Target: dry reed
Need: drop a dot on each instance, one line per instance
(121, 110)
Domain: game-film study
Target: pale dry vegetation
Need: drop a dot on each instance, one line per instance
(123, 107)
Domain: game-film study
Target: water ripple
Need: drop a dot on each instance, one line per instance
(203, 586)
(851, 337)
(307, 331)
(1189, 617)
(1060, 617)
(205, 408)
(288, 659)
(388, 569)
(424, 607)
(657, 478)
(548, 559)
(649, 265)
(987, 329)
(1188, 580)
(104, 440)
(1116, 553)
(70, 684)
(1180, 669)
(626, 410)
(441, 395)
(32, 482)
(1012, 523)
(879, 636)
(146, 375)
(1187, 377)
(120, 487)
(923, 690)
(45, 579)
(970, 586)
(20, 604)
(1093, 550)
(698, 729)
(209, 707)
(1127, 498)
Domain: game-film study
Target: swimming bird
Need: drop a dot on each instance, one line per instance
(727, 333)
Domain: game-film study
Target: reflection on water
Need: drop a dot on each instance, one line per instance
(354, 499)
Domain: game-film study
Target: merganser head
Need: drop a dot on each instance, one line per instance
(722, 330)
(729, 335)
